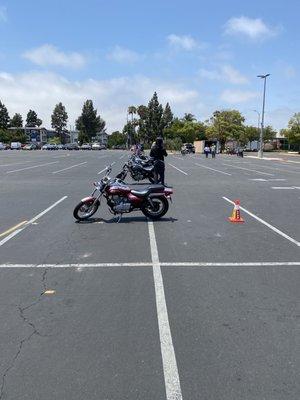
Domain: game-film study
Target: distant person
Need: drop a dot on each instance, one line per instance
(206, 151)
(158, 153)
(213, 150)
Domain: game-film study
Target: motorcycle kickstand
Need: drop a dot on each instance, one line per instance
(119, 218)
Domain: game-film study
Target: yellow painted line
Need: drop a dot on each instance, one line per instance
(12, 229)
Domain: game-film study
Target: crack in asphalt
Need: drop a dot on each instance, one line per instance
(26, 320)
(35, 331)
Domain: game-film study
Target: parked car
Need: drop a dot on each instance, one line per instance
(49, 146)
(86, 146)
(15, 146)
(188, 147)
(96, 146)
(30, 146)
(61, 147)
(4, 146)
(72, 146)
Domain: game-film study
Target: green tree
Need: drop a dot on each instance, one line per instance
(167, 117)
(116, 139)
(189, 117)
(16, 121)
(186, 131)
(225, 125)
(131, 111)
(269, 133)
(154, 123)
(249, 134)
(59, 120)
(83, 138)
(4, 116)
(129, 133)
(32, 119)
(12, 136)
(293, 131)
(89, 123)
(142, 123)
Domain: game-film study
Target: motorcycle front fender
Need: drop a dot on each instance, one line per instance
(88, 199)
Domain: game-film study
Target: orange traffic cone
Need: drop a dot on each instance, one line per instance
(236, 214)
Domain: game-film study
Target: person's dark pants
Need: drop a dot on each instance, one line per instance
(159, 170)
(206, 154)
(213, 154)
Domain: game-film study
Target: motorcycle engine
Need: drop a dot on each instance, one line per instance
(120, 204)
(138, 176)
(137, 173)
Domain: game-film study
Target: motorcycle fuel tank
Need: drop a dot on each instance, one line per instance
(118, 189)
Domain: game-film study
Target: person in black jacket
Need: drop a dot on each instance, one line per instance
(158, 153)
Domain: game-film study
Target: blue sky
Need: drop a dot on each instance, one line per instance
(199, 56)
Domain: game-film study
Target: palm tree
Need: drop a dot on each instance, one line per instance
(131, 111)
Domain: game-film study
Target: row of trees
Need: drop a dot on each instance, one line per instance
(16, 121)
(145, 123)
(88, 123)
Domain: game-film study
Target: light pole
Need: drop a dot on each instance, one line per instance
(260, 153)
(258, 120)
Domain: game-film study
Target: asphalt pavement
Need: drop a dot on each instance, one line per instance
(188, 307)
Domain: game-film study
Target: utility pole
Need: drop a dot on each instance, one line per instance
(260, 153)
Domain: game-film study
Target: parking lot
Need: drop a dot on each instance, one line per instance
(188, 307)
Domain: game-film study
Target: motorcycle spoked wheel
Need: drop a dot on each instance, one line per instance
(85, 209)
(161, 206)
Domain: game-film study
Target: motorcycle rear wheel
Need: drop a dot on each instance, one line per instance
(161, 206)
(85, 209)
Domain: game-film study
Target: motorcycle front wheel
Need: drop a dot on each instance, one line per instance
(85, 209)
(159, 208)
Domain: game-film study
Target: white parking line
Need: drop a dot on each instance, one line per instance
(72, 166)
(275, 168)
(178, 158)
(172, 382)
(102, 170)
(33, 166)
(122, 157)
(231, 264)
(247, 169)
(278, 231)
(283, 187)
(276, 180)
(17, 163)
(13, 234)
(72, 265)
(180, 170)
(162, 264)
(213, 169)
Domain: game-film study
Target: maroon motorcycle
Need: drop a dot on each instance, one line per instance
(120, 198)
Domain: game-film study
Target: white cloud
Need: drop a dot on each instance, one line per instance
(42, 90)
(250, 27)
(184, 42)
(232, 75)
(3, 14)
(225, 73)
(238, 96)
(48, 55)
(123, 55)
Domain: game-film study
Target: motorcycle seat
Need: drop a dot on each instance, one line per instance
(148, 190)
